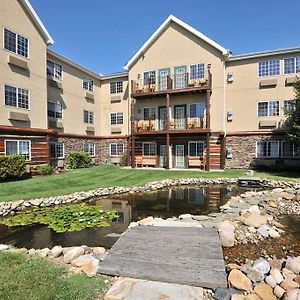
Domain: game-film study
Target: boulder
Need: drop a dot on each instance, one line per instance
(288, 274)
(292, 295)
(271, 281)
(56, 251)
(296, 198)
(297, 279)
(240, 281)
(254, 209)
(99, 250)
(88, 264)
(256, 220)
(44, 252)
(3, 247)
(226, 233)
(274, 233)
(276, 274)
(289, 284)
(73, 253)
(263, 231)
(225, 294)
(36, 202)
(255, 275)
(293, 264)
(262, 265)
(230, 267)
(264, 291)
(237, 297)
(16, 204)
(146, 222)
(252, 297)
(278, 291)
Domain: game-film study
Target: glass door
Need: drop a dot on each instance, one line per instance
(163, 156)
(163, 79)
(179, 161)
(162, 118)
(180, 117)
(180, 77)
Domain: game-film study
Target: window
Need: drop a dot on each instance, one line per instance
(15, 43)
(116, 149)
(54, 69)
(16, 97)
(197, 71)
(88, 84)
(89, 148)
(22, 148)
(57, 150)
(149, 149)
(268, 108)
(88, 117)
(289, 106)
(149, 77)
(116, 118)
(275, 149)
(196, 149)
(149, 113)
(197, 110)
(54, 110)
(292, 65)
(269, 68)
(116, 87)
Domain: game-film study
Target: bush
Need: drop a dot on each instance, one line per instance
(12, 167)
(124, 158)
(79, 160)
(45, 170)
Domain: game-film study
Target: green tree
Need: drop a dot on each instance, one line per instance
(294, 117)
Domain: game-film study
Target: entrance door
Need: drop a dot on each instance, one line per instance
(162, 118)
(163, 79)
(179, 159)
(163, 156)
(180, 77)
(180, 117)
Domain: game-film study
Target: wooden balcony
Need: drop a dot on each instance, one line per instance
(172, 84)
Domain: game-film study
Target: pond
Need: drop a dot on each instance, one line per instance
(163, 203)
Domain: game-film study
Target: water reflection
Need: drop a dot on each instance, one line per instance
(131, 207)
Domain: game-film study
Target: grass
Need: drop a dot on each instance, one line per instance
(107, 176)
(32, 278)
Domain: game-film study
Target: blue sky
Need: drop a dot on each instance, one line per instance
(103, 35)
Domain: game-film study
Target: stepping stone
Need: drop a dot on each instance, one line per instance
(133, 289)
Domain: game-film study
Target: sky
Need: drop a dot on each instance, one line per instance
(104, 35)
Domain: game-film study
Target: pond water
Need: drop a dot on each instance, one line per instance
(164, 203)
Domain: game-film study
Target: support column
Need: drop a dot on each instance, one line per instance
(207, 152)
(223, 152)
(48, 149)
(132, 134)
(168, 135)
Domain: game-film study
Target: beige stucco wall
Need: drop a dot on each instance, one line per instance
(14, 18)
(177, 47)
(243, 94)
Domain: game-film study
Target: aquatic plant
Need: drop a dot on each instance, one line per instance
(64, 218)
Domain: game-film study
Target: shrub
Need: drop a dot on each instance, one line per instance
(45, 170)
(124, 158)
(79, 160)
(12, 167)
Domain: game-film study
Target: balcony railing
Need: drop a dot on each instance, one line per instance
(175, 124)
(179, 82)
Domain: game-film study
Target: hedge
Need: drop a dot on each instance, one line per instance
(79, 160)
(12, 167)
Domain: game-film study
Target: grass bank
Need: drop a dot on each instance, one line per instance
(24, 277)
(107, 176)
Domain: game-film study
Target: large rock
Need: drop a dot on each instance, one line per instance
(252, 297)
(226, 233)
(147, 221)
(264, 291)
(289, 284)
(99, 250)
(56, 251)
(288, 274)
(271, 281)
(237, 297)
(276, 274)
(293, 264)
(225, 293)
(3, 247)
(255, 275)
(292, 295)
(278, 291)
(73, 253)
(262, 265)
(88, 264)
(274, 234)
(239, 280)
(256, 220)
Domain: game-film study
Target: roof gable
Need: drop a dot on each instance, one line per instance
(162, 27)
(37, 21)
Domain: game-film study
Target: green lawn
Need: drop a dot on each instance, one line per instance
(107, 176)
(31, 278)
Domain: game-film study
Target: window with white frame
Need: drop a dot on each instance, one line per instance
(268, 108)
(196, 110)
(291, 65)
(54, 110)
(116, 118)
(89, 148)
(197, 71)
(18, 147)
(88, 117)
(15, 43)
(149, 149)
(196, 149)
(57, 150)
(116, 87)
(149, 77)
(88, 84)
(16, 97)
(289, 106)
(269, 68)
(149, 113)
(276, 149)
(54, 69)
(116, 149)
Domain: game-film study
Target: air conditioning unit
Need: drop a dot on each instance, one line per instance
(229, 116)
(230, 77)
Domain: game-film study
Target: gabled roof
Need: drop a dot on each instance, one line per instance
(37, 21)
(162, 27)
